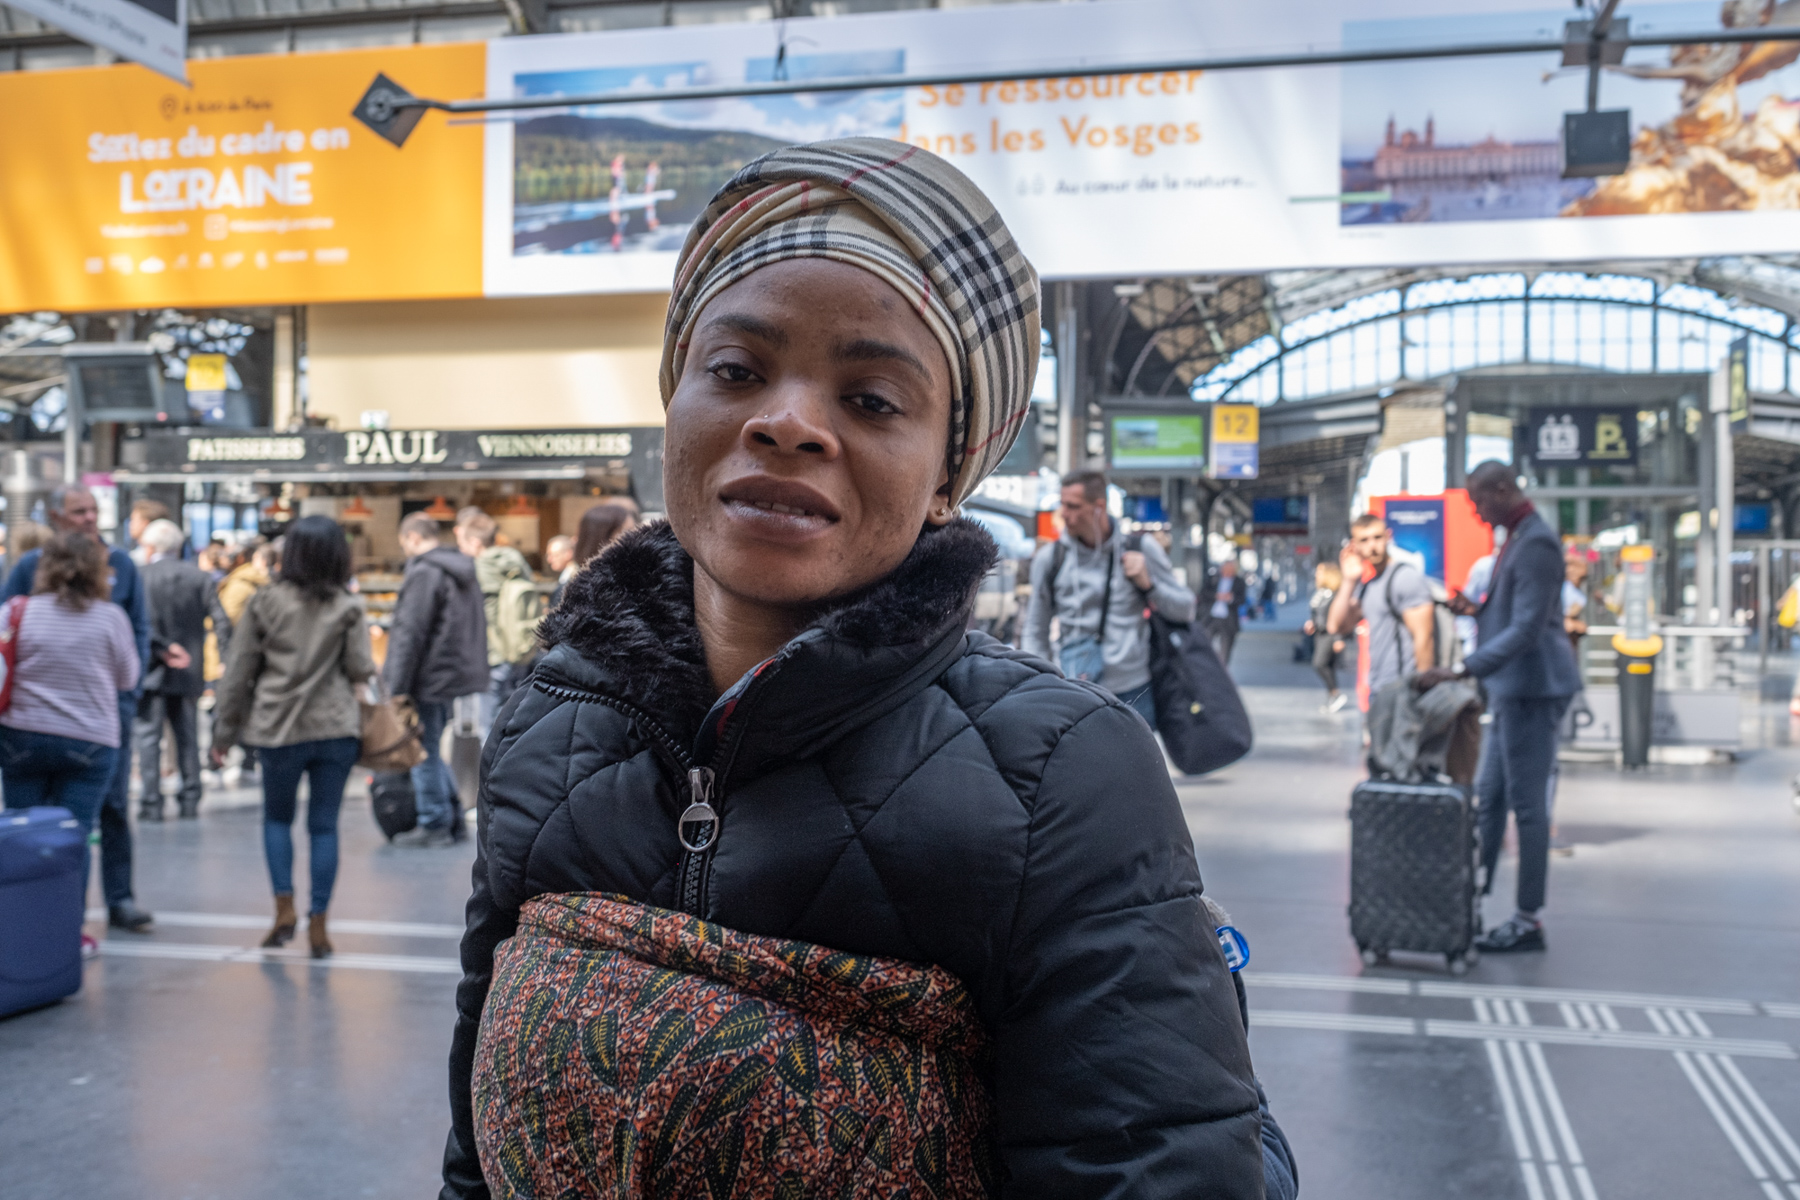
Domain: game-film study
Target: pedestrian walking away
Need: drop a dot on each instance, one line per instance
(1097, 587)
(1327, 647)
(1394, 597)
(1224, 616)
(510, 602)
(1523, 660)
(437, 651)
(300, 650)
(59, 737)
(74, 510)
(180, 596)
(898, 840)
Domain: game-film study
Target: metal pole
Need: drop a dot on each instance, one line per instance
(1070, 422)
(1725, 480)
(74, 420)
(1704, 573)
(1762, 612)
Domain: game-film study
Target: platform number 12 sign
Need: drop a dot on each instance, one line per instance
(1235, 431)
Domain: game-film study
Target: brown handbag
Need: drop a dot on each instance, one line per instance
(390, 731)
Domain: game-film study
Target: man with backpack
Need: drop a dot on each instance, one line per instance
(512, 602)
(1097, 583)
(1393, 596)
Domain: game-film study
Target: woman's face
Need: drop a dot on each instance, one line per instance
(806, 437)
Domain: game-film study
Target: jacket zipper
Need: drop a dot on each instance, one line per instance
(699, 826)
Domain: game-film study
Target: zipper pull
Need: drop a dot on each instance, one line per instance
(698, 828)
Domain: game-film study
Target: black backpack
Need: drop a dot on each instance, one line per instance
(1198, 710)
(391, 797)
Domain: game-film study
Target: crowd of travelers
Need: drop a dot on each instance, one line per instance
(274, 631)
(821, 795)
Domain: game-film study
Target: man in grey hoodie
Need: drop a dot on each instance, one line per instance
(1097, 586)
(437, 651)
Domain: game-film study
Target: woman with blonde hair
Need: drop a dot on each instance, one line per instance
(1327, 579)
(787, 884)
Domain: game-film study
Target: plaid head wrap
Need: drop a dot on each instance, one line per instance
(914, 221)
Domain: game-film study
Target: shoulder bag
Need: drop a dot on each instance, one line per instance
(1198, 710)
(390, 730)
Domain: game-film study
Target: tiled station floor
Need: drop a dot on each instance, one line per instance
(1650, 1052)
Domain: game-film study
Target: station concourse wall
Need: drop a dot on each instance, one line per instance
(556, 362)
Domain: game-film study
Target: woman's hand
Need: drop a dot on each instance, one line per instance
(1308, 629)
(176, 657)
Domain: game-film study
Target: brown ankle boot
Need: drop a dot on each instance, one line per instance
(285, 921)
(315, 934)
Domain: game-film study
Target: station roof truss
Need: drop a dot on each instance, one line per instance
(1303, 335)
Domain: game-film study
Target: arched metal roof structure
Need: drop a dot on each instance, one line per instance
(1219, 337)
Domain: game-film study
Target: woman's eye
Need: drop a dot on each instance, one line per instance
(731, 372)
(869, 402)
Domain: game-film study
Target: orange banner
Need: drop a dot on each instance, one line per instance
(254, 186)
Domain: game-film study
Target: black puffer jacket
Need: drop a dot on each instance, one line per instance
(890, 785)
(437, 642)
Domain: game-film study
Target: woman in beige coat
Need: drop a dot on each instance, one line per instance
(299, 650)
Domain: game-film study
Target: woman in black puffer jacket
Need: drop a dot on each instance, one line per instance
(767, 714)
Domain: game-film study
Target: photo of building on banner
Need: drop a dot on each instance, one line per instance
(1713, 126)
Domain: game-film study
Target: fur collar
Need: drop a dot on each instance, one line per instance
(630, 615)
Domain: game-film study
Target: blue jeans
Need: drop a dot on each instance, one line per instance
(326, 764)
(44, 769)
(1140, 700)
(434, 787)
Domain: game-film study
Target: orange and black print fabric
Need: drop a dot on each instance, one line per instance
(629, 1051)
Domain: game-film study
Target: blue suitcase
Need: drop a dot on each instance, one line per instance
(41, 853)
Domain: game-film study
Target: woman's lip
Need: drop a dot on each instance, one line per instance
(779, 497)
(767, 524)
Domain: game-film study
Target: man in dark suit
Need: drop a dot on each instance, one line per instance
(1523, 659)
(181, 596)
(74, 509)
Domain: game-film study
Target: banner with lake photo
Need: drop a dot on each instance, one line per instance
(1118, 173)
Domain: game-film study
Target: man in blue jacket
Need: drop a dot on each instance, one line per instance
(1523, 659)
(74, 510)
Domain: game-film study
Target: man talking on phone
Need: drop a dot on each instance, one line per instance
(1395, 599)
(1524, 661)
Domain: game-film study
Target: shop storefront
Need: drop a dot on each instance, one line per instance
(535, 483)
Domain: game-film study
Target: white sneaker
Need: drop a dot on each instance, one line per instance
(1337, 702)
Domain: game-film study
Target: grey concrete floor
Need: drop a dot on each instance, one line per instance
(1650, 1052)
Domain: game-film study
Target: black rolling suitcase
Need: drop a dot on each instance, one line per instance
(392, 800)
(1413, 868)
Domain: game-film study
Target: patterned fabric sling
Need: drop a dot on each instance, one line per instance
(629, 1051)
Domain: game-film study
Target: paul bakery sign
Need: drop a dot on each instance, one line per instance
(380, 451)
